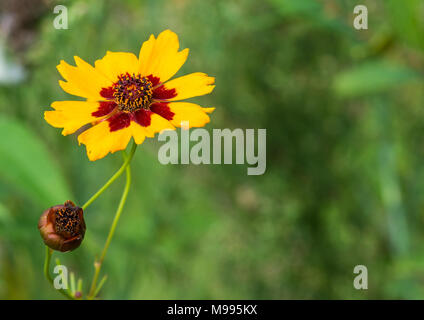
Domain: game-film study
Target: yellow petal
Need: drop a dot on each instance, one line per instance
(99, 141)
(138, 132)
(82, 80)
(191, 112)
(71, 115)
(191, 85)
(160, 57)
(157, 124)
(114, 64)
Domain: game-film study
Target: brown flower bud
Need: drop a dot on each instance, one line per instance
(62, 227)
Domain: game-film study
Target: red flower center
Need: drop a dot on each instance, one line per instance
(133, 92)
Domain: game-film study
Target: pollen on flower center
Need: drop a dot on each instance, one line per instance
(67, 220)
(133, 92)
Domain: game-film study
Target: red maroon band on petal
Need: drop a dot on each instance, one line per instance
(163, 93)
(119, 121)
(105, 108)
(154, 80)
(162, 109)
(143, 117)
(107, 92)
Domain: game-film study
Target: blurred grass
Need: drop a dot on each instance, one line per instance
(344, 116)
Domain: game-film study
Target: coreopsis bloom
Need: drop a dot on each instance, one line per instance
(62, 227)
(129, 97)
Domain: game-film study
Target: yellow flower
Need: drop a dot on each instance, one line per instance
(129, 97)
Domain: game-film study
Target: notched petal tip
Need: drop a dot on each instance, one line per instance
(184, 55)
(52, 117)
(61, 64)
(79, 61)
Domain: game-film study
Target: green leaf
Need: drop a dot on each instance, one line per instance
(26, 164)
(372, 77)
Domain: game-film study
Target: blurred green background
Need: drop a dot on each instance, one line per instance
(344, 113)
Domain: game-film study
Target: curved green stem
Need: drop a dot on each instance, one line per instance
(113, 178)
(47, 273)
(93, 291)
(98, 263)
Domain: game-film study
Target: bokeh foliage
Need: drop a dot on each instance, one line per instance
(344, 116)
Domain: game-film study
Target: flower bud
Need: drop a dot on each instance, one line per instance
(62, 227)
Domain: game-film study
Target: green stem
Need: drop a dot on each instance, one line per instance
(113, 178)
(47, 273)
(98, 263)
